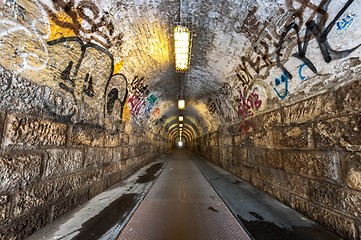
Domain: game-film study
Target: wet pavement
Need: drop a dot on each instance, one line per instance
(181, 196)
(182, 205)
(104, 216)
(263, 217)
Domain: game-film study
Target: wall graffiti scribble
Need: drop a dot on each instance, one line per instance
(320, 32)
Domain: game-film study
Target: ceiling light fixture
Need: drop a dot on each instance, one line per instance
(180, 118)
(181, 104)
(182, 48)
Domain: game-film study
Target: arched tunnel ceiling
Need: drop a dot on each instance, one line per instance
(248, 56)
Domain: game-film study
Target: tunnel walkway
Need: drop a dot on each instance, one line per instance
(182, 205)
(181, 196)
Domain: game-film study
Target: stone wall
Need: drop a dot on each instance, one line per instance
(48, 168)
(307, 155)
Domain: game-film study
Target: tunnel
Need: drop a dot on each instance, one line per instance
(270, 130)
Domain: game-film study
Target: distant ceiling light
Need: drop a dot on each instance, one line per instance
(181, 104)
(180, 118)
(182, 48)
(181, 125)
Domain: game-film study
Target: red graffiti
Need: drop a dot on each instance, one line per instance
(136, 104)
(248, 103)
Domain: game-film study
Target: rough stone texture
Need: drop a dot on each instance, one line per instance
(83, 135)
(19, 170)
(97, 157)
(313, 164)
(352, 170)
(2, 122)
(349, 98)
(71, 202)
(293, 137)
(275, 158)
(62, 161)
(4, 208)
(340, 223)
(25, 226)
(312, 109)
(23, 131)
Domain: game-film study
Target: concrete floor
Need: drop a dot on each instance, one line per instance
(191, 199)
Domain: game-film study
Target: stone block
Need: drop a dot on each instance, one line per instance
(336, 197)
(19, 170)
(270, 119)
(62, 161)
(28, 132)
(97, 157)
(295, 184)
(293, 137)
(275, 158)
(98, 187)
(314, 164)
(257, 155)
(263, 139)
(83, 135)
(351, 169)
(117, 154)
(69, 203)
(125, 153)
(349, 99)
(112, 168)
(111, 139)
(336, 222)
(322, 106)
(23, 227)
(350, 130)
(327, 133)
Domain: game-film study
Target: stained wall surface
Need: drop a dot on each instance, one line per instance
(88, 94)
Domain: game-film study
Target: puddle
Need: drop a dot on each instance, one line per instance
(256, 215)
(150, 173)
(263, 230)
(110, 216)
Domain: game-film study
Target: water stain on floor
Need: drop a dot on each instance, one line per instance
(150, 173)
(110, 216)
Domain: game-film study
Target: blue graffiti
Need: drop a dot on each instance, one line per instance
(345, 22)
(283, 80)
(150, 103)
(300, 71)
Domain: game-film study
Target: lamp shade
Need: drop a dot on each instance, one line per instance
(182, 46)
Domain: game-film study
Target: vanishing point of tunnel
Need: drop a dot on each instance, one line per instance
(95, 145)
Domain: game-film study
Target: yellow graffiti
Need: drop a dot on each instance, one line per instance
(56, 31)
(118, 66)
(126, 112)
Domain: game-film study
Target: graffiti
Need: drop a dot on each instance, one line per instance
(320, 32)
(150, 103)
(138, 87)
(116, 93)
(346, 22)
(156, 113)
(84, 20)
(282, 81)
(212, 108)
(258, 67)
(140, 105)
(22, 38)
(225, 90)
(302, 77)
(82, 80)
(248, 102)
